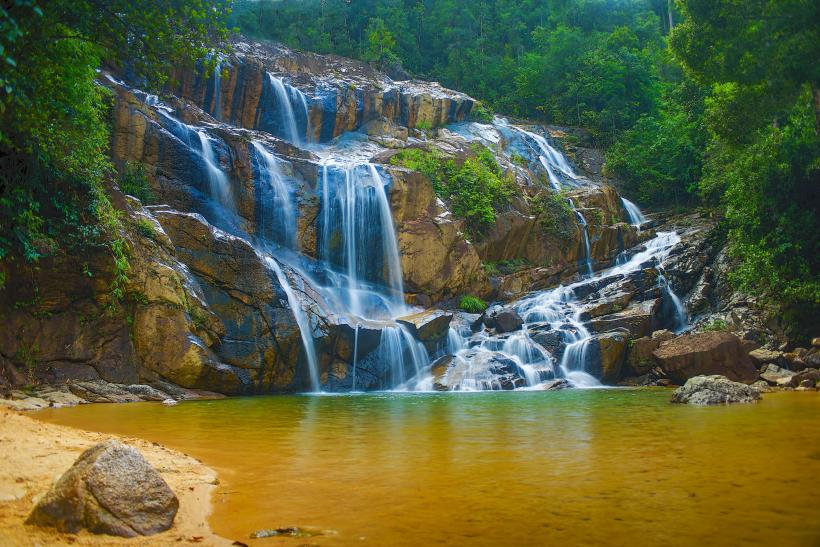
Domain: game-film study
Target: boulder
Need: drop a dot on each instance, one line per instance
(705, 353)
(773, 374)
(638, 319)
(606, 356)
(714, 390)
(111, 489)
(555, 385)
(762, 386)
(639, 357)
(815, 342)
(428, 325)
(762, 356)
(806, 378)
(503, 319)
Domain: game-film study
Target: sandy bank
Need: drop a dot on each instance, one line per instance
(34, 454)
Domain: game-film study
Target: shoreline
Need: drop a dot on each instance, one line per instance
(35, 453)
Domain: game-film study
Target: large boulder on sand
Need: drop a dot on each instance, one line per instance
(705, 353)
(714, 390)
(111, 489)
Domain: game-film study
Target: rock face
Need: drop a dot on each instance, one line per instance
(112, 490)
(340, 94)
(714, 390)
(606, 356)
(703, 354)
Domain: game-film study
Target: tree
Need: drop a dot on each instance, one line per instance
(53, 127)
(381, 43)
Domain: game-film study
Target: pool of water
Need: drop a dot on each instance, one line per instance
(613, 466)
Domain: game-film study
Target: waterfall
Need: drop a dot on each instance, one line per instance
(216, 111)
(285, 100)
(280, 207)
(406, 355)
(356, 221)
(553, 162)
(302, 320)
(217, 180)
(558, 312)
(584, 238)
(634, 214)
(681, 317)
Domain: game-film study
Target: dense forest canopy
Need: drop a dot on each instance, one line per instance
(711, 103)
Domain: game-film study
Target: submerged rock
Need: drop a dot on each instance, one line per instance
(111, 489)
(714, 390)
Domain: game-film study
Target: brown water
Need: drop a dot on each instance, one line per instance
(525, 468)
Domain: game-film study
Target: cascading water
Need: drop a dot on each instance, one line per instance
(217, 180)
(284, 97)
(216, 110)
(634, 214)
(302, 320)
(559, 314)
(278, 222)
(584, 238)
(356, 219)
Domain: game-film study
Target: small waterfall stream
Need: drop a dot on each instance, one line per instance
(278, 216)
(634, 214)
(285, 94)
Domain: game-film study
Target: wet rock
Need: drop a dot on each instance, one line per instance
(290, 531)
(705, 353)
(714, 390)
(773, 374)
(503, 319)
(815, 342)
(762, 356)
(762, 386)
(605, 356)
(638, 319)
(478, 369)
(555, 385)
(550, 340)
(428, 325)
(809, 377)
(111, 489)
(102, 392)
(639, 355)
(146, 393)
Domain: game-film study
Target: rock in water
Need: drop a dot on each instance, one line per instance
(111, 489)
(714, 390)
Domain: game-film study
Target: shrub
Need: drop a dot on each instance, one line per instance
(134, 182)
(715, 325)
(554, 213)
(472, 304)
(475, 190)
(481, 113)
(146, 229)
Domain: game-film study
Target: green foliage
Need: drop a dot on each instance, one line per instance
(585, 62)
(505, 267)
(660, 159)
(715, 325)
(475, 190)
(381, 44)
(481, 113)
(146, 229)
(761, 164)
(53, 115)
(472, 304)
(134, 182)
(554, 213)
